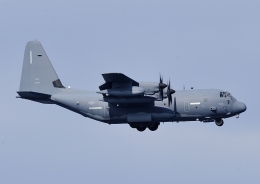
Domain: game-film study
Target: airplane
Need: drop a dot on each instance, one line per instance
(122, 100)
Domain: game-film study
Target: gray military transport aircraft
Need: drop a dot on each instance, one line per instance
(123, 100)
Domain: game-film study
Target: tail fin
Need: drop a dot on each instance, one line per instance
(38, 75)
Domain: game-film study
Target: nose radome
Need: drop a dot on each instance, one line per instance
(239, 107)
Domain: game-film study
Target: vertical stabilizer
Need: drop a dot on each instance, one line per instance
(38, 74)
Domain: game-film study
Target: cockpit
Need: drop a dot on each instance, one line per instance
(225, 94)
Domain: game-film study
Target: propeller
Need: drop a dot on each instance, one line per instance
(161, 87)
(169, 93)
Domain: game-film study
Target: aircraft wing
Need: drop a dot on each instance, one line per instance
(117, 77)
(120, 89)
(117, 80)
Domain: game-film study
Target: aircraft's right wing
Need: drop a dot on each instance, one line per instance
(117, 80)
(120, 89)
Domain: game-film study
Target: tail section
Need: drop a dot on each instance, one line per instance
(38, 74)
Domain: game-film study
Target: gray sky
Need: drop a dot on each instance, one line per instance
(204, 44)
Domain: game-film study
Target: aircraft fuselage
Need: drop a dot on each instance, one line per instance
(121, 99)
(188, 105)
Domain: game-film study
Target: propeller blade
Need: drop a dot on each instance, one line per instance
(169, 100)
(161, 93)
(169, 93)
(161, 87)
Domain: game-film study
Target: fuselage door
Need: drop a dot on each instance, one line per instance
(186, 107)
(106, 111)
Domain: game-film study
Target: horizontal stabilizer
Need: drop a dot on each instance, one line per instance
(37, 97)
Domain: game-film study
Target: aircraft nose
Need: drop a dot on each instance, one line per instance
(239, 107)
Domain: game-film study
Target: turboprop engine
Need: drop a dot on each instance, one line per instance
(123, 91)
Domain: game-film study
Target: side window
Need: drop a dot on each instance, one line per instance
(221, 94)
(224, 94)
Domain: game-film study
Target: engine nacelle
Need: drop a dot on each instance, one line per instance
(123, 92)
(150, 88)
(129, 100)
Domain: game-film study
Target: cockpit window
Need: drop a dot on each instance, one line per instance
(232, 98)
(224, 94)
